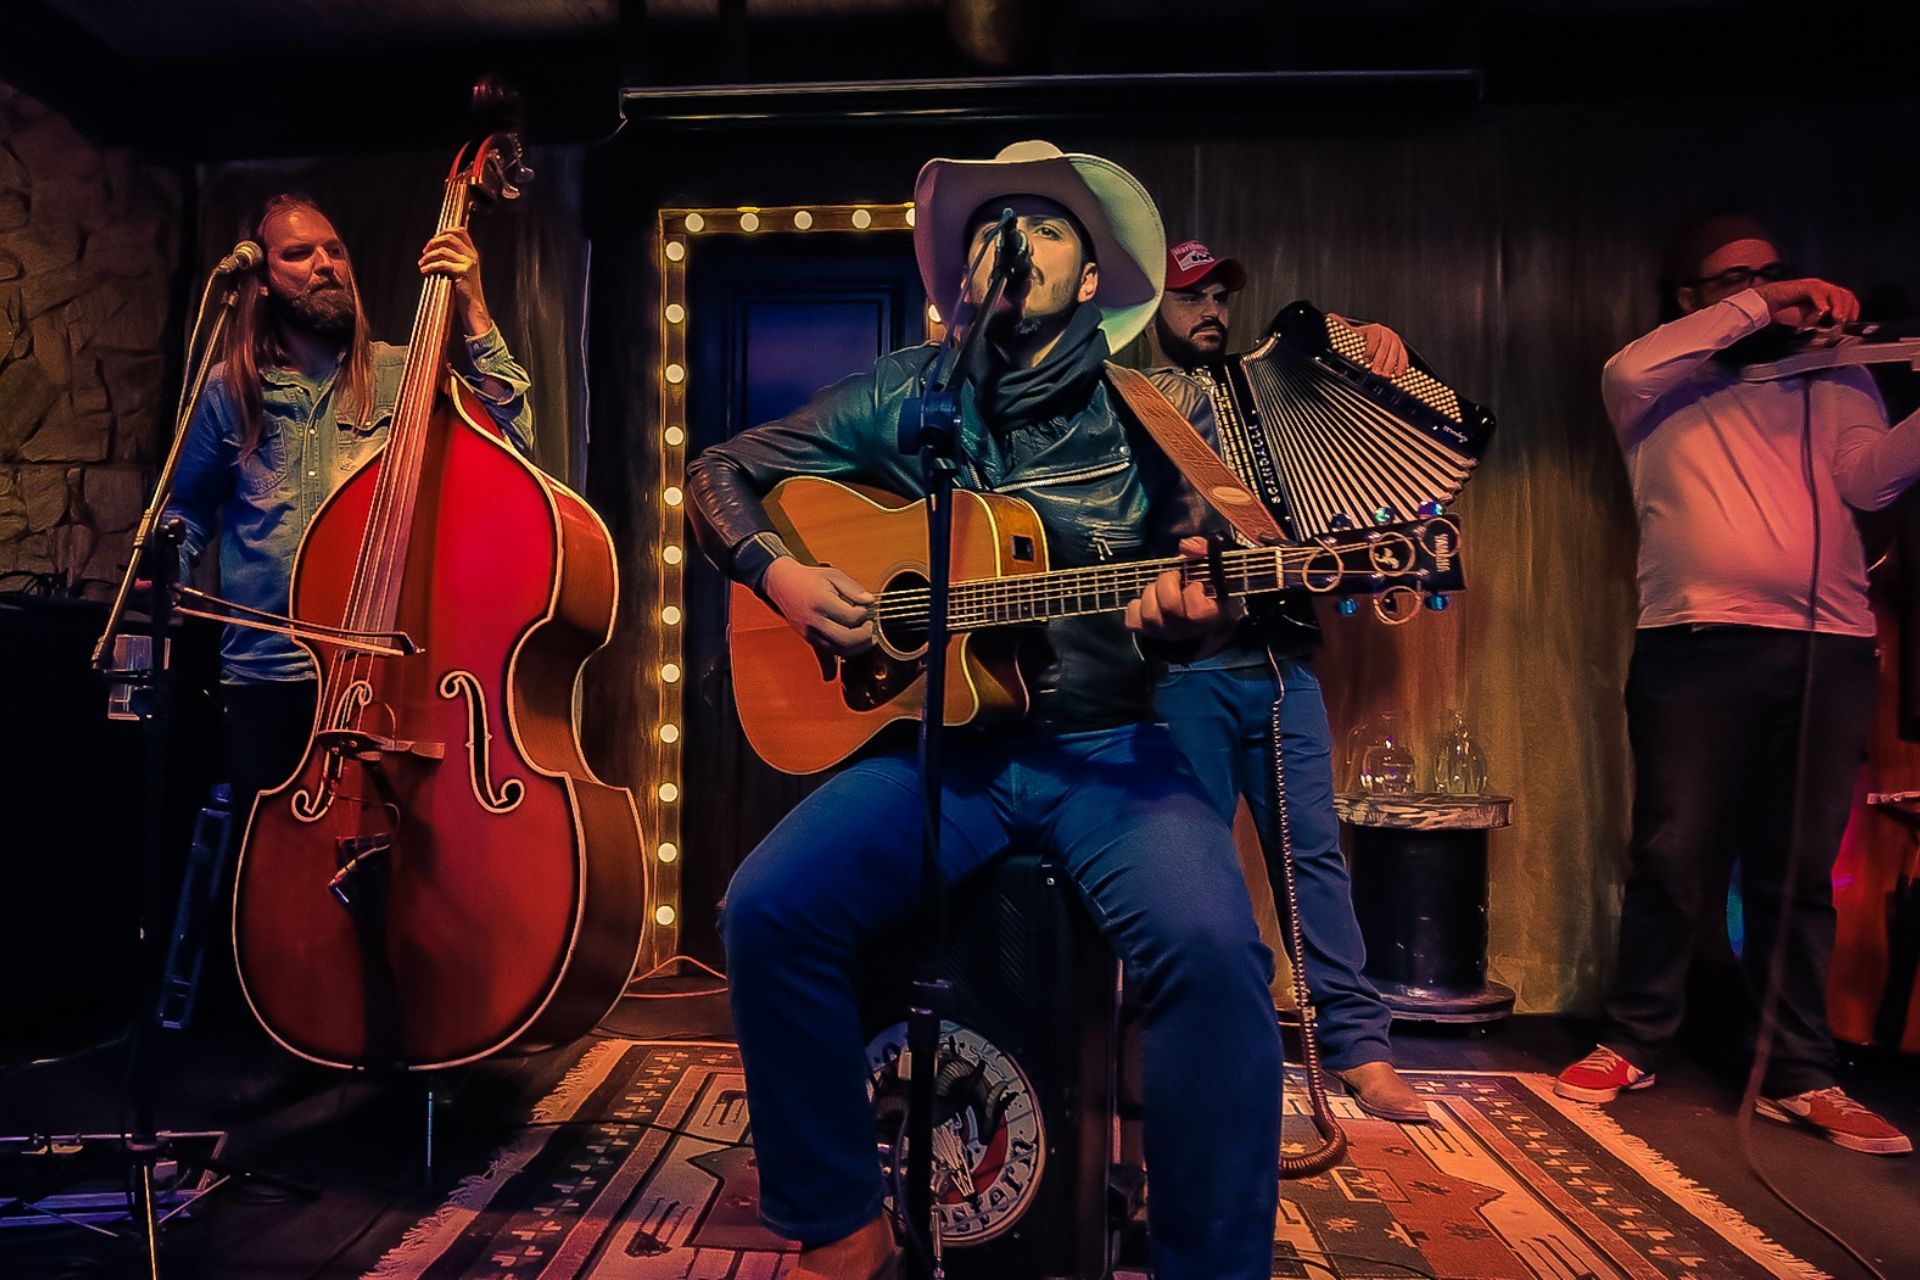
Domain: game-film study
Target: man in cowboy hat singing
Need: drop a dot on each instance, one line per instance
(1089, 774)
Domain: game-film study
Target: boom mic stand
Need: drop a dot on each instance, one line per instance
(155, 560)
(929, 425)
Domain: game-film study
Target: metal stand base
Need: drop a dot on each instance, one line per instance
(71, 1201)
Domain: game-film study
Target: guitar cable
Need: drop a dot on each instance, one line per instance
(1333, 1138)
(676, 958)
(1776, 958)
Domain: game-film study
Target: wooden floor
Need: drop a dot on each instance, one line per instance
(359, 1143)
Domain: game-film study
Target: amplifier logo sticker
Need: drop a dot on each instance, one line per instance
(989, 1142)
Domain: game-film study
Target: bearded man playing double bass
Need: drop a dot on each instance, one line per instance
(301, 399)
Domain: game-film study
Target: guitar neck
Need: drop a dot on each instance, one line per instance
(1364, 562)
(1072, 593)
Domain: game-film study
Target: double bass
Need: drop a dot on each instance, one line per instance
(443, 877)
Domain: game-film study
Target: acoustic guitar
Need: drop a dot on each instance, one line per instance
(804, 710)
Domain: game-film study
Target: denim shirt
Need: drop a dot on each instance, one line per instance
(261, 505)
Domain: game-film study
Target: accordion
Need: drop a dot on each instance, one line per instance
(1329, 445)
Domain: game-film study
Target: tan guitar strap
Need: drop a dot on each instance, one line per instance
(1210, 477)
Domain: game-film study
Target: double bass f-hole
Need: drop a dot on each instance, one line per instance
(311, 806)
(505, 798)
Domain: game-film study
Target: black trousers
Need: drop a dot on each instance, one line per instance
(1713, 716)
(265, 727)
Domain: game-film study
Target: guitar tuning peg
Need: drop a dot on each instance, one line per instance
(1346, 606)
(1439, 601)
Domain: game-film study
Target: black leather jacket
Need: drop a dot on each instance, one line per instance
(1103, 490)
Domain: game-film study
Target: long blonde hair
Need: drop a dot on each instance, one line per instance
(251, 340)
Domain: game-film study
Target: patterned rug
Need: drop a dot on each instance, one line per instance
(636, 1168)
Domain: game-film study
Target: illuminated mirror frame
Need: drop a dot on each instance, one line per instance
(662, 592)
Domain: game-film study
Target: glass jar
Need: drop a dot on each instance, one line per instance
(1459, 766)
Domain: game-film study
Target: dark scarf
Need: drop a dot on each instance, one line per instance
(1060, 384)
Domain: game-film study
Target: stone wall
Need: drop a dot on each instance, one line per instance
(88, 243)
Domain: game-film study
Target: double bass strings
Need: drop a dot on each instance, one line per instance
(377, 568)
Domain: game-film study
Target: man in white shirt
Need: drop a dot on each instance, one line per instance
(1744, 494)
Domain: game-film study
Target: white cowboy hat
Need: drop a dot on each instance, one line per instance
(1110, 203)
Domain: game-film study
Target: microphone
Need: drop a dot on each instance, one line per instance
(245, 257)
(1012, 254)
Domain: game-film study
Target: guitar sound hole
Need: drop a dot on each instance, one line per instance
(906, 594)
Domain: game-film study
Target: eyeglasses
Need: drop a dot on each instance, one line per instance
(1742, 277)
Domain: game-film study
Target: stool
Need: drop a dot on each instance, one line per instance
(1419, 865)
(1033, 979)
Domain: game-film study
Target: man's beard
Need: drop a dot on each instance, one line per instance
(1183, 352)
(1017, 326)
(327, 311)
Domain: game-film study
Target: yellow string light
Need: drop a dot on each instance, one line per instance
(661, 591)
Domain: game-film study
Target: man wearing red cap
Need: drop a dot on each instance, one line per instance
(1220, 712)
(1753, 675)
(1190, 328)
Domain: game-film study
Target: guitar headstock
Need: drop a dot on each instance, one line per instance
(1399, 565)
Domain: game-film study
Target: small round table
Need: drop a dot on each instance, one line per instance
(1419, 866)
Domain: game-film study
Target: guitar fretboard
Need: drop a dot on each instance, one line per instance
(1068, 593)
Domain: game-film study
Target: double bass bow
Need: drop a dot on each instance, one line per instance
(443, 877)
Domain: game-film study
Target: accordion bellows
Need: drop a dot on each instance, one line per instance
(1330, 445)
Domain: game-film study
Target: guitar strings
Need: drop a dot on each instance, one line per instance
(1249, 570)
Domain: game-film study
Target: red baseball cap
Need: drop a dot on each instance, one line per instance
(1190, 262)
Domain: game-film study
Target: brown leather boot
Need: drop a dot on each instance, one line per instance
(1379, 1091)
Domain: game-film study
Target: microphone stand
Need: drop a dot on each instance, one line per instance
(929, 425)
(156, 559)
(143, 536)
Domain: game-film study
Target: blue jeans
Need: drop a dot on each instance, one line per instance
(1219, 712)
(1157, 870)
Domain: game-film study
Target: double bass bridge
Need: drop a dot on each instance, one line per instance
(507, 796)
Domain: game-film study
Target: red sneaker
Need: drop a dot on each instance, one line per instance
(1836, 1117)
(1600, 1076)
